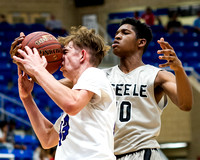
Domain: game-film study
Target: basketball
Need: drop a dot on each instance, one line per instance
(48, 46)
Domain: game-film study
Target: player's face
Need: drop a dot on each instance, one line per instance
(125, 41)
(71, 59)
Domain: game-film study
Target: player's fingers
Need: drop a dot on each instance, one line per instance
(162, 39)
(22, 34)
(22, 53)
(19, 71)
(161, 45)
(16, 48)
(165, 64)
(44, 61)
(166, 45)
(35, 51)
(15, 44)
(167, 52)
(168, 58)
(17, 59)
(28, 50)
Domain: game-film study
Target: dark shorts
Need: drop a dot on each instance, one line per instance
(147, 153)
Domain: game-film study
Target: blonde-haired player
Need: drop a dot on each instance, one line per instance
(85, 130)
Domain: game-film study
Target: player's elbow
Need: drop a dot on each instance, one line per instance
(44, 146)
(71, 108)
(186, 107)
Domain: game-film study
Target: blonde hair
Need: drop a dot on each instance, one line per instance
(87, 38)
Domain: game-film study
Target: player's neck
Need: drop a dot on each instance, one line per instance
(128, 64)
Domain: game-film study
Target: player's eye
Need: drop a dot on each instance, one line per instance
(125, 32)
(65, 51)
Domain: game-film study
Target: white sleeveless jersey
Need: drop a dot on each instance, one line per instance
(89, 134)
(138, 120)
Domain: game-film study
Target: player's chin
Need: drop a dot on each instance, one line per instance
(116, 52)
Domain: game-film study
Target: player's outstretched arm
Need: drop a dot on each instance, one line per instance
(177, 87)
(43, 128)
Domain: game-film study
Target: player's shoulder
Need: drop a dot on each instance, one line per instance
(164, 76)
(149, 69)
(95, 71)
(109, 70)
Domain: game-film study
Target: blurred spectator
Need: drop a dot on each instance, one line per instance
(148, 16)
(174, 25)
(159, 20)
(197, 23)
(136, 15)
(55, 26)
(52, 153)
(3, 19)
(3, 136)
(40, 154)
(11, 136)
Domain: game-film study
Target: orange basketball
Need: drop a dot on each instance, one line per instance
(47, 46)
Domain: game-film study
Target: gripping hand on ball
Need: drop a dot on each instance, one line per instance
(31, 60)
(16, 44)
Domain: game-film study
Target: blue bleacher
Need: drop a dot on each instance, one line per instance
(6, 27)
(37, 27)
(161, 11)
(23, 154)
(21, 27)
(112, 28)
(120, 15)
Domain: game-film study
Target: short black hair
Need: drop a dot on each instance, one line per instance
(142, 30)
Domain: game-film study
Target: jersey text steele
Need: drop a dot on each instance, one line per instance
(130, 90)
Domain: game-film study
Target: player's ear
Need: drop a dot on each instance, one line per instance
(142, 42)
(83, 55)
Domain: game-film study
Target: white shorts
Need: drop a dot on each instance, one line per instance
(144, 154)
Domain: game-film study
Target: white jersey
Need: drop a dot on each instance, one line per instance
(89, 134)
(138, 120)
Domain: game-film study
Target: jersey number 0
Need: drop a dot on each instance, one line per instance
(125, 111)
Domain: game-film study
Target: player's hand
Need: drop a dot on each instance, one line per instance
(25, 85)
(31, 60)
(169, 55)
(16, 44)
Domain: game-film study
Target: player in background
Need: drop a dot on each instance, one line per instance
(141, 91)
(85, 129)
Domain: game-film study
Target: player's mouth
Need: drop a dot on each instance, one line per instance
(115, 44)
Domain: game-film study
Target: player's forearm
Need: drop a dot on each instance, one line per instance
(40, 124)
(184, 90)
(66, 98)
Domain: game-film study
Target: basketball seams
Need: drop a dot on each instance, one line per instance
(48, 45)
(35, 37)
(55, 61)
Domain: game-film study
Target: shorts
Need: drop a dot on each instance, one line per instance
(143, 154)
